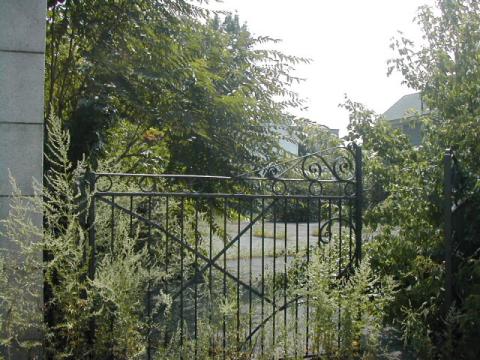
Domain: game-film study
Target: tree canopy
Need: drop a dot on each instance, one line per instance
(166, 85)
(406, 182)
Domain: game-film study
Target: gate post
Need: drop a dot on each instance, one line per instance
(91, 254)
(22, 74)
(358, 203)
(447, 210)
(91, 224)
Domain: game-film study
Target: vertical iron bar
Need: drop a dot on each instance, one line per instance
(358, 203)
(167, 255)
(182, 214)
(167, 228)
(112, 241)
(210, 254)
(91, 178)
(296, 254)
(447, 209)
(112, 235)
(329, 222)
(195, 331)
(285, 280)
(350, 230)
(308, 286)
(274, 305)
(149, 294)
(263, 275)
(319, 224)
(340, 263)
(238, 276)
(319, 216)
(131, 217)
(330, 237)
(250, 274)
(224, 323)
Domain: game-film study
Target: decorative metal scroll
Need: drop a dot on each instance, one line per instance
(327, 172)
(312, 173)
(246, 240)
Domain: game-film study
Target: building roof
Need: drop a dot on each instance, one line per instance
(405, 106)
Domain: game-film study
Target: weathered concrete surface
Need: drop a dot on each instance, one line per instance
(22, 24)
(22, 153)
(21, 86)
(22, 57)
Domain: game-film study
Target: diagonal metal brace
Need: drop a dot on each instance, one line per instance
(188, 247)
(224, 250)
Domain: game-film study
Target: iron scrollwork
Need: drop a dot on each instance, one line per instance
(327, 172)
(316, 170)
(103, 182)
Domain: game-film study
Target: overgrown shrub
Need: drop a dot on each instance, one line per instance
(348, 311)
(407, 219)
(114, 299)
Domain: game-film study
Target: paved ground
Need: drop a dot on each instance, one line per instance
(290, 237)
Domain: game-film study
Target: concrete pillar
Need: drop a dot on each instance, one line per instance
(22, 63)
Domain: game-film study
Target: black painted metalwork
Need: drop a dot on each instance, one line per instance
(448, 200)
(234, 255)
(459, 192)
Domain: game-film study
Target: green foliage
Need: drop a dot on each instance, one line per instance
(126, 271)
(118, 71)
(406, 183)
(404, 213)
(416, 330)
(446, 70)
(348, 312)
(313, 137)
(115, 298)
(21, 276)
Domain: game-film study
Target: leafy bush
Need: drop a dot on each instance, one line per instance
(406, 214)
(114, 298)
(348, 311)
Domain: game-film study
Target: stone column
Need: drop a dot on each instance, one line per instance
(22, 64)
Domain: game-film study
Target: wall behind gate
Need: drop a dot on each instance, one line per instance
(22, 62)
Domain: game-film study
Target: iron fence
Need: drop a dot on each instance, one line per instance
(461, 202)
(231, 253)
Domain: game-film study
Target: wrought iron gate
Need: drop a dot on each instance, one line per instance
(231, 253)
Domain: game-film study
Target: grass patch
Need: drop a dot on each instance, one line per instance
(316, 232)
(268, 233)
(325, 233)
(268, 253)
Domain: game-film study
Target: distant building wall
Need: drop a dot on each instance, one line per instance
(335, 132)
(403, 115)
(287, 145)
(22, 59)
(411, 127)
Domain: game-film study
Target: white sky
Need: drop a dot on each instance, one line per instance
(348, 41)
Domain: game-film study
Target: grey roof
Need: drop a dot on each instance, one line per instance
(404, 107)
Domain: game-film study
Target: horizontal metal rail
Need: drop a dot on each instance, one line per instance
(212, 177)
(236, 258)
(219, 195)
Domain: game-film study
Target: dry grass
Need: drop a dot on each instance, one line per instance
(268, 233)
